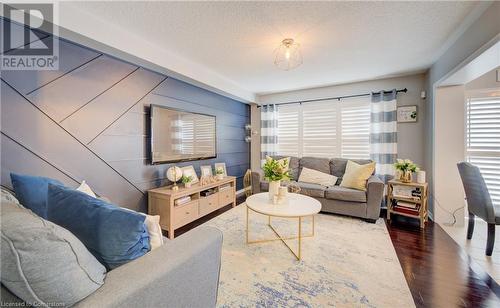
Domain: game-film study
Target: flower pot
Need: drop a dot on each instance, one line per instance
(274, 187)
(187, 185)
(405, 176)
(220, 177)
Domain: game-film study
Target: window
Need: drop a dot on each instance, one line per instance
(483, 140)
(325, 129)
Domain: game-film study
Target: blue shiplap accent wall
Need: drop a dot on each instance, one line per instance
(89, 120)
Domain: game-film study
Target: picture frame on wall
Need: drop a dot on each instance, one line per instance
(407, 114)
(189, 171)
(221, 165)
(206, 170)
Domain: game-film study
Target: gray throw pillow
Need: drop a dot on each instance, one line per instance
(43, 263)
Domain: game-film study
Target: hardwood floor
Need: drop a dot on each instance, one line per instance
(439, 272)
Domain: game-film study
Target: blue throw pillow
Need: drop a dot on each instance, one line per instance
(31, 191)
(113, 235)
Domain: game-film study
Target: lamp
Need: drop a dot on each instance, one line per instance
(287, 56)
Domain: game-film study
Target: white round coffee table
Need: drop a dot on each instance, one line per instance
(296, 206)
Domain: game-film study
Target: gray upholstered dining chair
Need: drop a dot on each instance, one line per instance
(479, 202)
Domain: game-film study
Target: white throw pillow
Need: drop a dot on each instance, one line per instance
(317, 177)
(153, 225)
(84, 188)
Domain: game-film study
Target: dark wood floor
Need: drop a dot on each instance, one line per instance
(438, 271)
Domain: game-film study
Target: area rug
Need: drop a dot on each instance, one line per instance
(348, 263)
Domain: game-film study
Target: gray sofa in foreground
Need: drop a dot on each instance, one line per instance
(184, 272)
(334, 199)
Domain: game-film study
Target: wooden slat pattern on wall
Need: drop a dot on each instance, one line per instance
(89, 120)
(71, 57)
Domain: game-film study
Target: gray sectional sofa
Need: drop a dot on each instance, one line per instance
(335, 199)
(184, 272)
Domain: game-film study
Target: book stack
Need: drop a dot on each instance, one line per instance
(182, 200)
(407, 192)
(406, 207)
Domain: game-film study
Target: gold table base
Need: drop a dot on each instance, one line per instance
(279, 237)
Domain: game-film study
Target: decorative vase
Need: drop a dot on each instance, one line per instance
(405, 176)
(274, 187)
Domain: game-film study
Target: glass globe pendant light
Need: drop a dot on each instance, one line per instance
(287, 56)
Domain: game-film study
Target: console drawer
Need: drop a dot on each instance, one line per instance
(186, 213)
(226, 196)
(209, 204)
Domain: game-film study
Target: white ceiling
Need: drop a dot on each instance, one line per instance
(233, 42)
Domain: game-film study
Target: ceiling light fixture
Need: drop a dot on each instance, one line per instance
(287, 56)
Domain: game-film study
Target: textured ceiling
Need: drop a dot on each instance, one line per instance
(340, 41)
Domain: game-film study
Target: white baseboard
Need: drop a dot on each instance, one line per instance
(240, 192)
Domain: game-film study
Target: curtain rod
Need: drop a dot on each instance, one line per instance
(336, 97)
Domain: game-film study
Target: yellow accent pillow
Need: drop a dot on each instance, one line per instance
(356, 175)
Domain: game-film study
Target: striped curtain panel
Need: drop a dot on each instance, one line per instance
(268, 131)
(384, 133)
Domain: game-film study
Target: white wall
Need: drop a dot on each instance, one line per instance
(410, 135)
(449, 149)
(482, 32)
(485, 82)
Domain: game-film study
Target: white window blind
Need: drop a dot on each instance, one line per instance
(325, 129)
(483, 141)
(319, 129)
(288, 130)
(355, 118)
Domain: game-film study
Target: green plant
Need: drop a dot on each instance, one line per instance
(219, 170)
(276, 170)
(186, 179)
(405, 165)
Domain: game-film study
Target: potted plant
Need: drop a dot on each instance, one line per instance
(405, 167)
(186, 180)
(276, 171)
(219, 173)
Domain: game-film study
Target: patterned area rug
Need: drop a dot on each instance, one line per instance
(348, 263)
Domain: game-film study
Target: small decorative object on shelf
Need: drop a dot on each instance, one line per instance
(189, 172)
(421, 176)
(407, 199)
(205, 179)
(206, 170)
(186, 180)
(174, 174)
(405, 168)
(219, 173)
(220, 166)
(276, 171)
